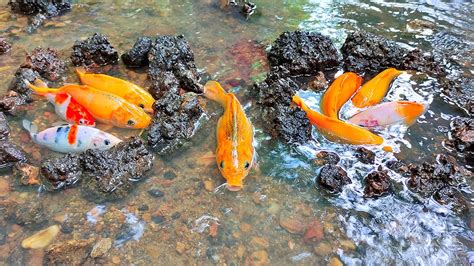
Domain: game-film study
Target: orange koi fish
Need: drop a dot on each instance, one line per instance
(103, 106)
(235, 152)
(340, 91)
(130, 92)
(389, 113)
(337, 130)
(375, 89)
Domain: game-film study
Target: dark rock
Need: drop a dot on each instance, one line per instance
(27, 174)
(46, 62)
(156, 193)
(4, 128)
(461, 138)
(110, 173)
(62, 172)
(10, 101)
(248, 8)
(169, 175)
(49, 8)
(70, 252)
(326, 157)
(365, 155)
(5, 47)
(10, 154)
(18, 84)
(304, 53)
(138, 55)
(171, 56)
(318, 83)
(35, 22)
(30, 214)
(176, 216)
(175, 121)
(3, 235)
(280, 118)
(452, 197)
(333, 178)
(426, 63)
(398, 166)
(67, 227)
(158, 219)
(143, 208)
(95, 51)
(459, 91)
(377, 183)
(365, 53)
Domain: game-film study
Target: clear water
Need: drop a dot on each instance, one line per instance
(396, 229)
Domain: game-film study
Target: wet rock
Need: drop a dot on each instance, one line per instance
(4, 128)
(314, 232)
(280, 118)
(293, 225)
(365, 53)
(41, 239)
(304, 53)
(49, 8)
(365, 155)
(326, 157)
(175, 122)
(35, 22)
(101, 248)
(138, 55)
(398, 166)
(5, 47)
(180, 247)
(158, 219)
(248, 8)
(423, 62)
(27, 174)
(169, 175)
(318, 83)
(333, 178)
(420, 25)
(335, 262)
(46, 62)
(29, 214)
(62, 172)
(10, 101)
(110, 173)
(172, 60)
(4, 187)
(258, 258)
(459, 91)
(377, 183)
(156, 193)
(19, 86)
(451, 197)
(461, 138)
(71, 252)
(10, 154)
(93, 52)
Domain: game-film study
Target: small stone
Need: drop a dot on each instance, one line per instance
(314, 232)
(245, 227)
(180, 248)
(318, 83)
(291, 245)
(326, 157)
(365, 155)
(274, 208)
(335, 262)
(333, 178)
(41, 239)
(116, 260)
(158, 219)
(292, 225)
(101, 248)
(259, 242)
(156, 193)
(347, 245)
(169, 175)
(323, 249)
(209, 185)
(27, 174)
(241, 251)
(213, 230)
(258, 258)
(4, 187)
(60, 217)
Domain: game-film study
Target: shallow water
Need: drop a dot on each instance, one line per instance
(178, 228)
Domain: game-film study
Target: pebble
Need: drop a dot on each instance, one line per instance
(347, 245)
(259, 242)
(335, 262)
(116, 260)
(4, 187)
(245, 227)
(180, 248)
(259, 257)
(314, 232)
(169, 175)
(101, 248)
(323, 249)
(209, 185)
(158, 219)
(241, 251)
(274, 208)
(41, 239)
(156, 193)
(292, 225)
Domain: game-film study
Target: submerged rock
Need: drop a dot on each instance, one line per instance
(333, 178)
(41, 239)
(49, 8)
(461, 138)
(5, 47)
(95, 51)
(377, 183)
(18, 84)
(110, 173)
(451, 197)
(101, 248)
(29, 214)
(138, 55)
(46, 62)
(62, 172)
(26, 173)
(35, 22)
(172, 61)
(460, 91)
(10, 154)
(326, 157)
(10, 101)
(304, 53)
(4, 128)
(365, 155)
(175, 121)
(70, 252)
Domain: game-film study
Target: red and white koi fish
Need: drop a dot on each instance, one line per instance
(389, 113)
(70, 110)
(71, 138)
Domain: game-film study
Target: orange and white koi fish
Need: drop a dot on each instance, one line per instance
(375, 89)
(235, 152)
(340, 91)
(389, 113)
(130, 92)
(337, 130)
(71, 138)
(105, 107)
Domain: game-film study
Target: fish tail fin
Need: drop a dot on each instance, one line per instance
(299, 102)
(39, 90)
(214, 91)
(30, 127)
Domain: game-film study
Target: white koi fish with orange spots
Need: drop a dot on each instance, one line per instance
(71, 138)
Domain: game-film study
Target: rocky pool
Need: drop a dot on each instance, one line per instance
(172, 207)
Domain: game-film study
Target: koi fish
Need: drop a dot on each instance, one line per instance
(337, 130)
(389, 113)
(340, 91)
(375, 89)
(235, 152)
(127, 90)
(71, 111)
(71, 138)
(105, 107)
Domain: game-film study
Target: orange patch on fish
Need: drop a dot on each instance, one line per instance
(72, 135)
(374, 90)
(61, 98)
(340, 91)
(410, 110)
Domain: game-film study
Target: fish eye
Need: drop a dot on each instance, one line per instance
(81, 122)
(221, 165)
(130, 122)
(141, 105)
(246, 165)
(106, 142)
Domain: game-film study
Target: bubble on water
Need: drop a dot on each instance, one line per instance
(95, 213)
(133, 229)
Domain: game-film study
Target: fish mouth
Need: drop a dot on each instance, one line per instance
(234, 188)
